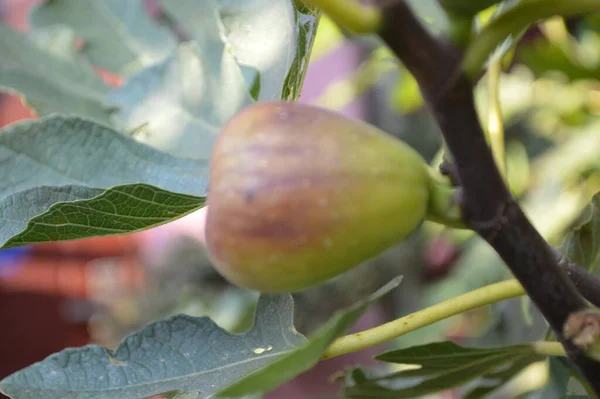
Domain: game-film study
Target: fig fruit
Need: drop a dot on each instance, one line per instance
(299, 194)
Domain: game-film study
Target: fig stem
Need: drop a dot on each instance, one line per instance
(350, 14)
(444, 204)
(443, 310)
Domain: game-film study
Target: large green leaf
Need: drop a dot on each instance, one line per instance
(182, 103)
(17, 209)
(304, 358)
(48, 82)
(79, 212)
(119, 35)
(443, 365)
(272, 36)
(87, 158)
(183, 353)
(58, 150)
(177, 104)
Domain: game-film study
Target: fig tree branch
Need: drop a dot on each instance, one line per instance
(487, 205)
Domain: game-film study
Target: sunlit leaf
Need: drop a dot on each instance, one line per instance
(180, 105)
(118, 35)
(49, 82)
(272, 36)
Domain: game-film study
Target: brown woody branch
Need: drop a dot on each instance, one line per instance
(487, 205)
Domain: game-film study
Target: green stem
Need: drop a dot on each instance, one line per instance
(516, 19)
(443, 205)
(350, 14)
(451, 307)
(495, 124)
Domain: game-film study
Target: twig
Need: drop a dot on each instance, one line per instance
(471, 300)
(586, 282)
(487, 205)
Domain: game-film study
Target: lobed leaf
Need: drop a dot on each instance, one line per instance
(189, 355)
(56, 159)
(305, 357)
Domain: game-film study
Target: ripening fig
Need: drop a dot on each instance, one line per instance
(299, 194)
